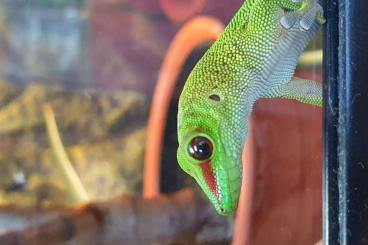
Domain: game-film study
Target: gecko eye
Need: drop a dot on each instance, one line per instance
(200, 148)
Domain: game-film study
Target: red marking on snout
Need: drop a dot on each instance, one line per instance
(209, 178)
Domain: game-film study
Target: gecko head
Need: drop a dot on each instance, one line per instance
(204, 154)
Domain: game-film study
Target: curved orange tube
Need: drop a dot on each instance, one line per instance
(194, 33)
(179, 10)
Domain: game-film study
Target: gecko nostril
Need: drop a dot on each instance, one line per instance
(222, 210)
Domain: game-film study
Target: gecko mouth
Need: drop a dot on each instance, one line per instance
(210, 185)
(210, 178)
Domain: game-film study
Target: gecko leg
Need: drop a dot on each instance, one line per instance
(305, 91)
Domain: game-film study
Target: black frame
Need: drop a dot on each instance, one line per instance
(345, 170)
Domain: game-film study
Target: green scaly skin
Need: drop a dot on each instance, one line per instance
(254, 58)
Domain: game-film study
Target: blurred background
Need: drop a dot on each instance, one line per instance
(91, 67)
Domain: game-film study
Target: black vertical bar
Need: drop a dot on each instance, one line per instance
(346, 123)
(330, 125)
(353, 121)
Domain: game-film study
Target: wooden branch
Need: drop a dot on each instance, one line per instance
(166, 219)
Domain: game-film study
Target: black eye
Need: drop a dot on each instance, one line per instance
(200, 148)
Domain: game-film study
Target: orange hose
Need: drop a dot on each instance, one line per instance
(179, 10)
(194, 33)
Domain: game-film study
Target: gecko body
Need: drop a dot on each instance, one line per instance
(254, 58)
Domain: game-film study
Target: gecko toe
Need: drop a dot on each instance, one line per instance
(308, 19)
(320, 15)
(312, 15)
(288, 20)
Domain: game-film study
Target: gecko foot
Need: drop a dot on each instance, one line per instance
(289, 19)
(305, 16)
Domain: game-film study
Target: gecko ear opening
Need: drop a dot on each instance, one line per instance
(215, 97)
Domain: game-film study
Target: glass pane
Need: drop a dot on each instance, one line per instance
(85, 84)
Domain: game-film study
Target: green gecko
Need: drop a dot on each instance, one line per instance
(254, 58)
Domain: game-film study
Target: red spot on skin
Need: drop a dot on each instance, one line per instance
(209, 178)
